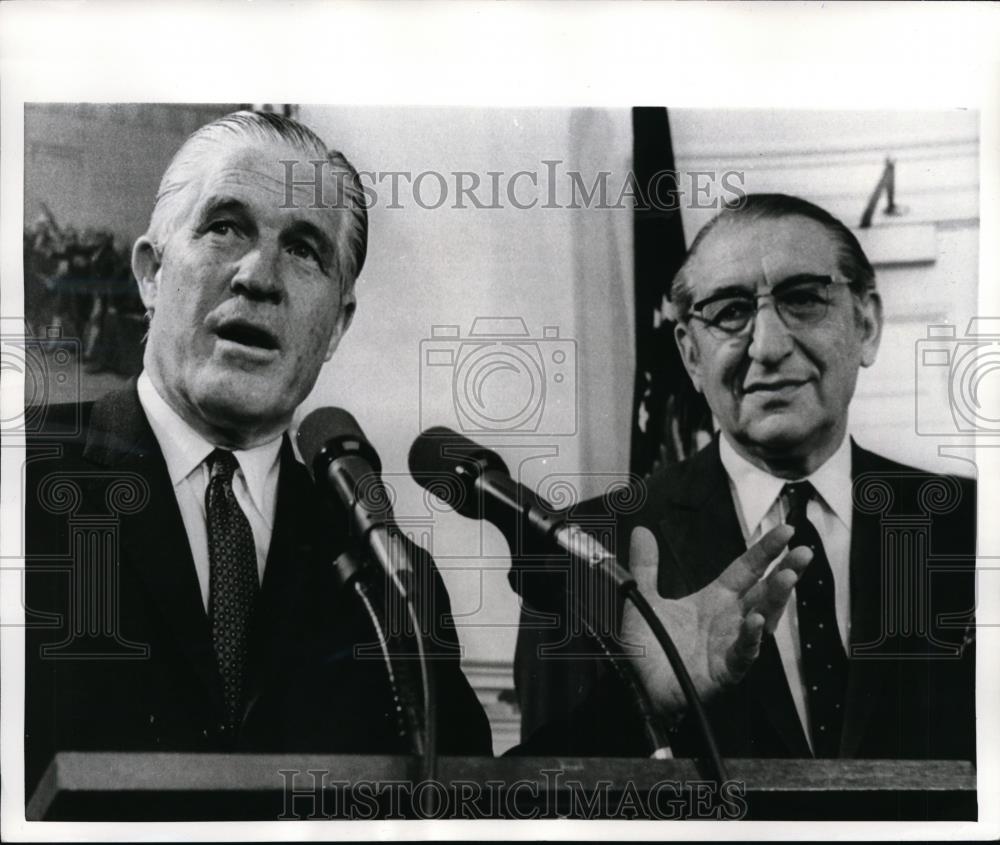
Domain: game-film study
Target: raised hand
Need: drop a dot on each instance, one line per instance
(717, 630)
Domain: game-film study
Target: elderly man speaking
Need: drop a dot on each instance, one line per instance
(223, 627)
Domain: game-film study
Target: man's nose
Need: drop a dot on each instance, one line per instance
(771, 341)
(258, 273)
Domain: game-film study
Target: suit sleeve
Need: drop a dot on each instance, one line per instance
(572, 701)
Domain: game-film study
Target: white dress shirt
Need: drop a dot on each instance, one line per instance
(255, 483)
(759, 507)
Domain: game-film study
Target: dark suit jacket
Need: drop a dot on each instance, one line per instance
(911, 687)
(119, 647)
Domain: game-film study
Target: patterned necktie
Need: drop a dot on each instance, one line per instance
(824, 661)
(233, 580)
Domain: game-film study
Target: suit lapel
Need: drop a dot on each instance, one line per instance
(703, 536)
(153, 541)
(290, 577)
(865, 675)
(700, 527)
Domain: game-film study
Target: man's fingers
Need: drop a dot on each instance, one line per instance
(747, 569)
(643, 557)
(769, 595)
(780, 583)
(778, 588)
(744, 651)
(797, 559)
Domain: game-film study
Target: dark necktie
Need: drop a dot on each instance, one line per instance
(233, 580)
(824, 662)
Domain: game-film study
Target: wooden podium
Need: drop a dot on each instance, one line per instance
(188, 787)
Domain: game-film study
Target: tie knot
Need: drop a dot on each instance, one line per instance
(798, 495)
(222, 464)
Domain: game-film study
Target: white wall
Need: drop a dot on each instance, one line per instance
(554, 267)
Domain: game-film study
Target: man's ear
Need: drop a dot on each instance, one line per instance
(146, 269)
(871, 326)
(344, 319)
(690, 354)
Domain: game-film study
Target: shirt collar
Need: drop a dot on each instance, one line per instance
(757, 489)
(184, 449)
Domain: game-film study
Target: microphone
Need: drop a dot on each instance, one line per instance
(345, 465)
(474, 481)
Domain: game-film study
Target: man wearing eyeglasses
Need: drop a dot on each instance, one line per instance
(777, 310)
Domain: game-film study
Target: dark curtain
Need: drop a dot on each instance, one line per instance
(667, 413)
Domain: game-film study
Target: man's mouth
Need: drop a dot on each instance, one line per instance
(773, 386)
(248, 334)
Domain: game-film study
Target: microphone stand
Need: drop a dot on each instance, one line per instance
(656, 735)
(354, 575)
(418, 724)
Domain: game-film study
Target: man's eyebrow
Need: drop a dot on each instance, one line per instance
(302, 228)
(747, 291)
(217, 204)
(728, 290)
(802, 279)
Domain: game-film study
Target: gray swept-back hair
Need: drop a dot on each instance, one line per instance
(188, 161)
(853, 262)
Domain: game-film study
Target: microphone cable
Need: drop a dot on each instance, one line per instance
(428, 769)
(716, 768)
(422, 742)
(651, 721)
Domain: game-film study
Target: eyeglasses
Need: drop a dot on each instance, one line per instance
(800, 301)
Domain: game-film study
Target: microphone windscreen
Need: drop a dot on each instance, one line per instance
(326, 426)
(441, 450)
(448, 464)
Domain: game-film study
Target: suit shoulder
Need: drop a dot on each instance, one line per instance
(873, 464)
(913, 490)
(868, 461)
(64, 420)
(641, 499)
(57, 433)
